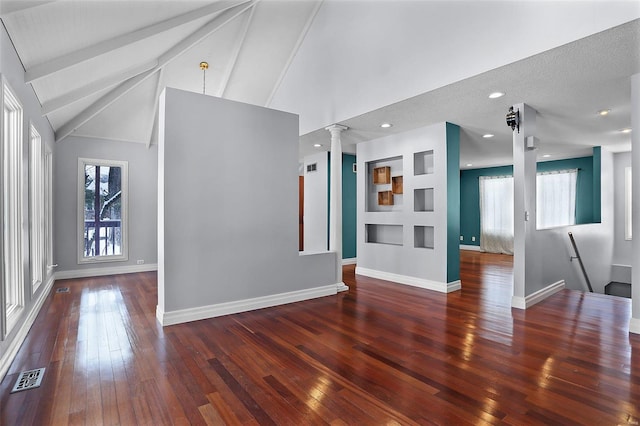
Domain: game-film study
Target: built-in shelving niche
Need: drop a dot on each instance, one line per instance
(384, 234)
(423, 200)
(384, 185)
(423, 237)
(423, 163)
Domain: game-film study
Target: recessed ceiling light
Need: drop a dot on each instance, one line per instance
(469, 164)
(496, 95)
(386, 125)
(488, 135)
(604, 112)
(546, 156)
(317, 145)
(627, 130)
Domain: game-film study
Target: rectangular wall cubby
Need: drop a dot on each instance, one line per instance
(384, 234)
(384, 185)
(423, 237)
(423, 200)
(423, 163)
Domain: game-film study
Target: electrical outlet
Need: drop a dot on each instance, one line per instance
(140, 262)
(473, 238)
(461, 238)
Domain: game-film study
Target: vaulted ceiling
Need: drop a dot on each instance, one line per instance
(98, 67)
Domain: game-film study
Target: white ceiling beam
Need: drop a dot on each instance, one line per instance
(294, 52)
(156, 103)
(58, 64)
(121, 90)
(231, 65)
(9, 7)
(94, 87)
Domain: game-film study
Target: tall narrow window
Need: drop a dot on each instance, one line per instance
(12, 198)
(496, 214)
(36, 209)
(102, 210)
(628, 210)
(556, 198)
(48, 191)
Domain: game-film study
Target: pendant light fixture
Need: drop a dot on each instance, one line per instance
(204, 66)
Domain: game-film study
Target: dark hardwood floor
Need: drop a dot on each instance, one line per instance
(380, 353)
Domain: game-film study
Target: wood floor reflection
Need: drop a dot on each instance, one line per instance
(381, 353)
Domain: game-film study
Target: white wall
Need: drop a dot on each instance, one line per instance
(406, 264)
(143, 194)
(595, 242)
(228, 210)
(316, 203)
(350, 70)
(622, 249)
(12, 71)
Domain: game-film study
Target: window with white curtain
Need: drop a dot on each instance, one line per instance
(556, 198)
(627, 203)
(496, 214)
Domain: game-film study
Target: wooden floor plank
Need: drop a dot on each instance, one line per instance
(380, 353)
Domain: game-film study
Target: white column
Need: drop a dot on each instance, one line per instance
(524, 200)
(634, 324)
(335, 201)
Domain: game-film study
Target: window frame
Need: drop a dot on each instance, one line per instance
(36, 209)
(124, 181)
(12, 272)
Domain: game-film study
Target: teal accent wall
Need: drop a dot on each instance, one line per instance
(349, 224)
(585, 192)
(597, 196)
(453, 202)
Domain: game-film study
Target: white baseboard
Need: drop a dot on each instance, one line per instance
(412, 281)
(7, 358)
(112, 270)
(227, 308)
(470, 248)
(634, 325)
(350, 261)
(537, 297)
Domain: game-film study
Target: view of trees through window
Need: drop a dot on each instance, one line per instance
(102, 210)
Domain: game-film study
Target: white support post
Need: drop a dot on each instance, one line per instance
(634, 323)
(335, 201)
(524, 200)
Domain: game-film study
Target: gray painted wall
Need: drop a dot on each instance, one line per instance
(13, 72)
(316, 203)
(228, 204)
(143, 187)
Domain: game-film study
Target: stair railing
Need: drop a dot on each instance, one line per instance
(577, 256)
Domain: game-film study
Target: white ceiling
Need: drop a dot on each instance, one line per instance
(98, 66)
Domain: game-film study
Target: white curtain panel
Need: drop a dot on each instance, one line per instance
(496, 214)
(556, 198)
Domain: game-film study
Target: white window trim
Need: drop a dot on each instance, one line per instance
(124, 211)
(11, 212)
(48, 188)
(628, 207)
(36, 208)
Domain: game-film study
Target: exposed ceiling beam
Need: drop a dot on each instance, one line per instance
(294, 52)
(9, 7)
(175, 51)
(156, 102)
(58, 64)
(236, 53)
(95, 87)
